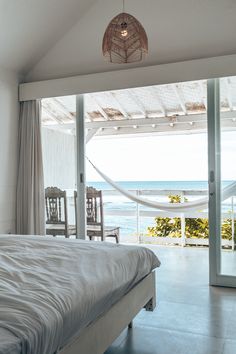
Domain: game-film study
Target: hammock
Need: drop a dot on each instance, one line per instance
(199, 204)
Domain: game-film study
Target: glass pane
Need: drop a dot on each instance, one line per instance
(228, 174)
(153, 142)
(59, 158)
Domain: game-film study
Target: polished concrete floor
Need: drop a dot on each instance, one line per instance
(228, 262)
(190, 317)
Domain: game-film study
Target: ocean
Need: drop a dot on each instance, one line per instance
(185, 185)
(128, 224)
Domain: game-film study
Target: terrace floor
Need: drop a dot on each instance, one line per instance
(190, 317)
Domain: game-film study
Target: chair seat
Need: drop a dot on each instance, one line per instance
(97, 228)
(111, 228)
(109, 231)
(59, 229)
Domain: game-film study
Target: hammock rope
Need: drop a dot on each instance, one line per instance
(199, 204)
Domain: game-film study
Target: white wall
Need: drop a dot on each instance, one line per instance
(8, 149)
(177, 31)
(58, 159)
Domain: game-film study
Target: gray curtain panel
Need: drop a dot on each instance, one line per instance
(30, 207)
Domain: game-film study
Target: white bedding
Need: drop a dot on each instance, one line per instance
(50, 289)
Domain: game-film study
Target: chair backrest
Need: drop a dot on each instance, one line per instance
(56, 206)
(94, 207)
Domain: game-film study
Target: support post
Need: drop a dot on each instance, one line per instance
(137, 219)
(232, 221)
(214, 178)
(182, 221)
(80, 157)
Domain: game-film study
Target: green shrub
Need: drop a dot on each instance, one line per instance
(194, 228)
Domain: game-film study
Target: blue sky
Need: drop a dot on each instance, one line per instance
(173, 158)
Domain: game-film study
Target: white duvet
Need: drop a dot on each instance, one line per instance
(50, 289)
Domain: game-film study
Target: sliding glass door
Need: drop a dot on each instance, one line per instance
(222, 180)
(80, 167)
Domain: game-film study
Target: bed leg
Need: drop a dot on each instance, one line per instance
(130, 325)
(150, 306)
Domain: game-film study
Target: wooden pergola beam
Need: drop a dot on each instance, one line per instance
(55, 118)
(229, 93)
(155, 95)
(203, 94)
(185, 128)
(120, 107)
(62, 109)
(181, 102)
(91, 134)
(164, 121)
(138, 102)
(189, 119)
(99, 107)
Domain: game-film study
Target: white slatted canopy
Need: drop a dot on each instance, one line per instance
(163, 109)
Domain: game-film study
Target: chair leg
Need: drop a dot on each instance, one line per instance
(118, 237)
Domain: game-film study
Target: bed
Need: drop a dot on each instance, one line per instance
(70, 296)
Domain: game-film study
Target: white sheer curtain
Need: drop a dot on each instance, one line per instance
(30, 208)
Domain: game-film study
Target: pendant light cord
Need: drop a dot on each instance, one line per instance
(123, 5)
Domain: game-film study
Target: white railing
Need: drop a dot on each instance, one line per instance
(138, 213)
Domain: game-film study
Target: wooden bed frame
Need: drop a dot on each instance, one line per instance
(100, 334)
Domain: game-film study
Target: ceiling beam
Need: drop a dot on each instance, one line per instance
(53, 105)
(229, 93)
(139, 122)
(51, 117)
(51, 113)
(181, 102)
(138, 103)
(120, 107)
(99, 107)
(197, 127)
(156, 96)
(189, 119)
(161, 74)
(164, 130)
(185, 128)
(62, 109)
(91, 134)
(203, 93)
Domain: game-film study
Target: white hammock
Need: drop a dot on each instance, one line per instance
(199, 204)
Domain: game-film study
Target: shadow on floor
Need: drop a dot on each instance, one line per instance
(190, 317)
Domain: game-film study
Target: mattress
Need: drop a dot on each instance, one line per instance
(51, 289)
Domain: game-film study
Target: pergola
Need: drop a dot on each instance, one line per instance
(163, 109)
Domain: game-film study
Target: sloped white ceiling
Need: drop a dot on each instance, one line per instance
(29, 28)
(177, 30)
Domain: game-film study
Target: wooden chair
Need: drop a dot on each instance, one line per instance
(56, 213)
(95, 218)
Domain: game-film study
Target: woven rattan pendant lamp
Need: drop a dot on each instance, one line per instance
(125, 40)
